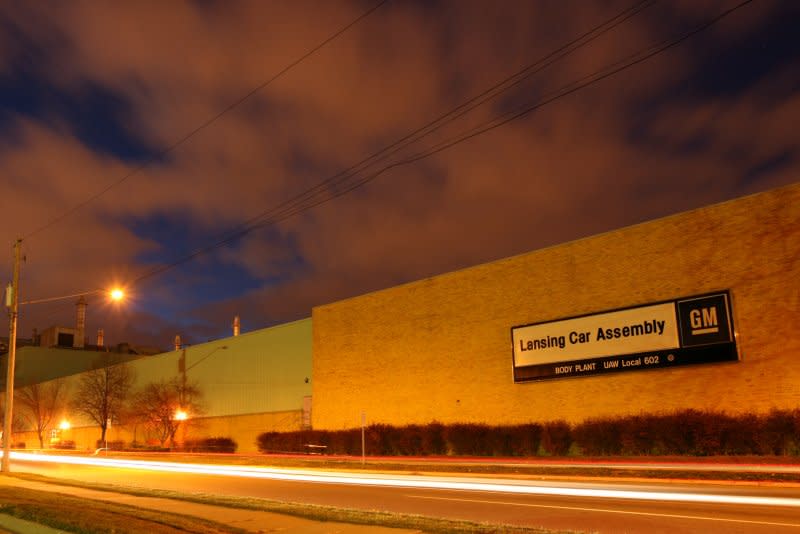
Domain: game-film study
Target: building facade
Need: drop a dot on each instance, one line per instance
(531, 338)
(440, 349)
(250, 383)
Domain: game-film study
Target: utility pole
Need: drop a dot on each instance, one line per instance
(12, 354)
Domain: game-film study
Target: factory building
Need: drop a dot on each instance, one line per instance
(695, 310)
(250, 383)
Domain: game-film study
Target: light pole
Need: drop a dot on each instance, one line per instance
(180, 415)
(5, 466)
(13, 303)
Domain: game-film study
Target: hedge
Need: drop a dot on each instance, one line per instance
(210, 445)
(682, 433)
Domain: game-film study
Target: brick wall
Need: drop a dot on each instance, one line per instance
(439, 349)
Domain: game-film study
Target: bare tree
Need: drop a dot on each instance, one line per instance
(102, 393)
(158, 403)
(40, 404)
(17, 425)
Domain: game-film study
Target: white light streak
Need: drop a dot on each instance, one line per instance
(406, 481)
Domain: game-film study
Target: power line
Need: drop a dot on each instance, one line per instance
(457, 112)
(566, 90)
(582, 83)
(149, 160)
(413, 137)
(577, 85)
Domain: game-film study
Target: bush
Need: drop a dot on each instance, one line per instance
(64, 445)
(433, 440)
(684, 433)
(468, 439)
(638, 436)
(597, 437)
(556, 438)
(210, 445)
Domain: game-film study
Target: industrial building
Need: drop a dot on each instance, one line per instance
(250, 383)
(443, 349)
(695, 310)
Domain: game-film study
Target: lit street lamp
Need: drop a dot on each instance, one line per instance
(13, 303)
(180, 417)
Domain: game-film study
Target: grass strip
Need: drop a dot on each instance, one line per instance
(310, 511)
(73, 514)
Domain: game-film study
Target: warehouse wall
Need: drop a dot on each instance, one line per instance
(439, 349)
(252, 383)
(244, 429)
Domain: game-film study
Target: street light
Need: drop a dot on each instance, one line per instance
(116, 294)
(13, 303)
(180, 417)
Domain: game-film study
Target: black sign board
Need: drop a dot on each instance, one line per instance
(686, 331)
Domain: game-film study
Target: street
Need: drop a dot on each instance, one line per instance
(606, 506)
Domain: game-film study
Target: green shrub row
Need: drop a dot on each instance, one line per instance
(210, 445)
(687, 432)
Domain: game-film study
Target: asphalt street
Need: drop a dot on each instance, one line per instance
(596, 506)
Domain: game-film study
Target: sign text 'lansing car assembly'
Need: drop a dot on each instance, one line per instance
(686, 331)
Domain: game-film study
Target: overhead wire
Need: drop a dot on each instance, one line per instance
(453, 114)
(287, 209)
(208, 122)
(323, 187)
(585, 81)
(597, 76)
(382, 154)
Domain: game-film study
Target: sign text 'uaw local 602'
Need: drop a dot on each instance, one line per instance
(685, 331)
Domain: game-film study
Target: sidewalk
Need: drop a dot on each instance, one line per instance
(249, 520)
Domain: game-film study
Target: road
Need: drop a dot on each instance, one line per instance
(606, 506)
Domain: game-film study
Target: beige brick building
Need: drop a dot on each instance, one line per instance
(440, 348)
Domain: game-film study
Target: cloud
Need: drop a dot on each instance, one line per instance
(643, 144)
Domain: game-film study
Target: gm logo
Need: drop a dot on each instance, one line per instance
(705, 320)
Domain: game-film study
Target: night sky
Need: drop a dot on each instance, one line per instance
(98, 178)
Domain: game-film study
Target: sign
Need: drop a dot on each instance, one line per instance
(686, 331)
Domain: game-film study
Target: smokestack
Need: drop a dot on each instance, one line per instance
(80, 326)
(100, 337)
(236, 325)
(177, 342)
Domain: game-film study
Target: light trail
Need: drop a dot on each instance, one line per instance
(405, 481)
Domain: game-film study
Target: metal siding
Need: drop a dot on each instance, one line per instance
(260, 371)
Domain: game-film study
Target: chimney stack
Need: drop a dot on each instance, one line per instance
(80, 327)
(177, 342)
(236, 325)
(100, 337)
